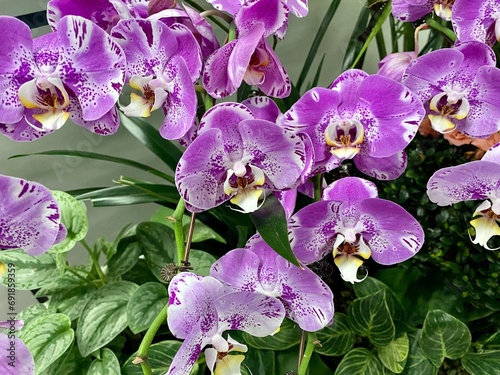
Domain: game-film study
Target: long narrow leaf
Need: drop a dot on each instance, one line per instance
(270, 221)
(152, 139)
(102, 157)
(313, 51)
(127, 195)
(357, 38)
(385, 13)
(315, 80)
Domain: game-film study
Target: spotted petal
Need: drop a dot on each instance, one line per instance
(29, 216)
(475, 20)
(16, 67)
(470, 181)
(263, 107)
(388, 168)
(272, 13)
(91, 64)
(350, 190)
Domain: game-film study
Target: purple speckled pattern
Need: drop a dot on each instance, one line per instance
(263, 107)
(390, 232)
(467, 71)
(470, 181)
(475, 20)
(29, 216)
(389, 113)
(350, 190)
(411, 10)
(258, 268)
(493, 154)
(202, 308)
(229, 134)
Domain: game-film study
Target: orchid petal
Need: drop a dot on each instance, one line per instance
(262, 107)
(273, 14)
(388, 168)
(188, 353)
(105, 125)
(29, 216)
(23, 363)
(229, 365)
(348, 266)
(350, 190)
(189, 50)
(22, 131)
(91, 64)
(485, 225)
(12, 324)
(493, 154)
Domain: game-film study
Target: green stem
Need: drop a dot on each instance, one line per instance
(200, 9)
(317, 180)
(441, 28)
(142, 353)
(408, 37)
(394, 34)
(232, 32)
(311, 342)
(178, 230)
(95, 261)
(209, 102)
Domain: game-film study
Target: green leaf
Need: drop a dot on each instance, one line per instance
(106, 365)
(201, 261)
(357, 38)
(313, 51)
(394, 355)
(487, 363)
(444, 336)
(371, 317)
(360, 361)
(336, 339)
(270, 221)
(102, 157)
(160, 357)
(30, 272)
(417, 363)
(104, 316)
(47, 337)
(68, 295)
(71, 362)
(144, 306)
(258, 362)
(151, 138)
(371, 285)
(127, 195)
(158, 245)
(34, 311)
(127, 255)
(288, 336)
(201, 231)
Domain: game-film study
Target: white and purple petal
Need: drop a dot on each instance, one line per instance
(16, 67)
(411, 10)
(263, 107)
(273, 14)
(189, 50)
(476, 20)
(470, 181)
(29, 216)
(388, 168)
(91, 64)
(21, 362)
(350, 190)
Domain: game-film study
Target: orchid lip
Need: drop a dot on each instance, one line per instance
(445, 107)
(154, 94)
(344, 138)
(243, 184)
(443, 9)
(485, 224)
(349, 257)
(255, 74)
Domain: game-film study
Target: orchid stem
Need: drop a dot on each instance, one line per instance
(178, 230)
(311, 342)
(189, 238)
(142, 354)
(317, 180)
(302, 345)
(95, 261)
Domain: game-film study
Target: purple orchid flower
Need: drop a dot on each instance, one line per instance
(476, 180)
(242, 156)
(156, 66)
(459, 88)
(248, 58)
(75, 73)
(394, 65)
(412, 10)
(308, 301)
(477, 20)
(16, 359)
(273, 13)
(367, 118)
(29, 216)
(354, 224)
(201, 309)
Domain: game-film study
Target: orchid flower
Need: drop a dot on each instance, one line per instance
(242, 158)
(201, 309)
(75, 73)
(477, 20)
(29, 216)
(258, 268)
(272, 13)
(394, 65)
(476, 180)
(458, 87)
(412, 10)
(354, 224)
(16, 359)
(367, 118)
(248, 58)
(162, 63)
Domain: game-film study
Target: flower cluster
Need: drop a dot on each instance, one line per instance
(238, 154)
